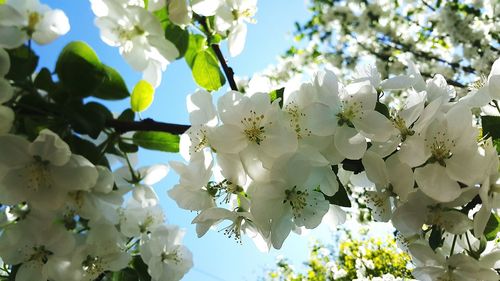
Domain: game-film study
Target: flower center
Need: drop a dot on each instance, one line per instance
(38, 175)
(170, 256)
(440, 146)
(40, 254)
(33, 19)
(130, 33)
(349, 112)
(297, 200)
(295, 115)
(400, 124)
(253, 127)
(234, 229)
(93, 265)
(148, 221)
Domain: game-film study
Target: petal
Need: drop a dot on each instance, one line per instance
(54, 24)
(12, 37)
(375, 126)
(50, 147)
(153, 174)
(434, 182)
(375, 168)
(14, 151)
(4, 65)
(397, 83)
(205, 7)
(6, 119)
(229, 139)
(77, 174)
(189, 199)
(179, 12)
(281, 228)
(237, 38)
(350, 143)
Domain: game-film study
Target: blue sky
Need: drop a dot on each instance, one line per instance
(215, 256)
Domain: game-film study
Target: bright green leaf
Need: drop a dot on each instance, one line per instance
(161, 141)
(142, 96)
(492, 227)
(196, 44)
(112, 87)
(79, 69)
(206, 71)
(277, 94)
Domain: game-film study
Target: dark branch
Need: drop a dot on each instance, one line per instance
(146, 125)
(228, 71)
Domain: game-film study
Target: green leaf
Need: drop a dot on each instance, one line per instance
(88, 119)
(178, 36)
(162, 17)
(383, 109)
(44, 80)
(491, 126)
(142, 96)
(127, 115)
(112, 87)
(23, 62)
(277, 94)
(355, 166)
(160, 141)
(126, 274)
(196, 44)
(127, 147)
(141, 268)
(340, 198)
(79, 69)
(492, 227)
(87, 149)
(206, 71)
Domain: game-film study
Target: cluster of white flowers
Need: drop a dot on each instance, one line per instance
(138, 34)
(64, 218)
(455, 38)
(231, 17)
(272, 163)
(28, 19)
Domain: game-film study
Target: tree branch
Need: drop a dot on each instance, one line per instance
(228, 71)
(146, 125)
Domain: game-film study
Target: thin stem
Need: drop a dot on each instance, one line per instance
(147, 124)
(468, 242)
(453, 245)
(428, 5)
(228, 71)
(135, 178)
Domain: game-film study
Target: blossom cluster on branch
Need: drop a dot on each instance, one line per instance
(75, 207)
(274, 162)
(458, 39)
